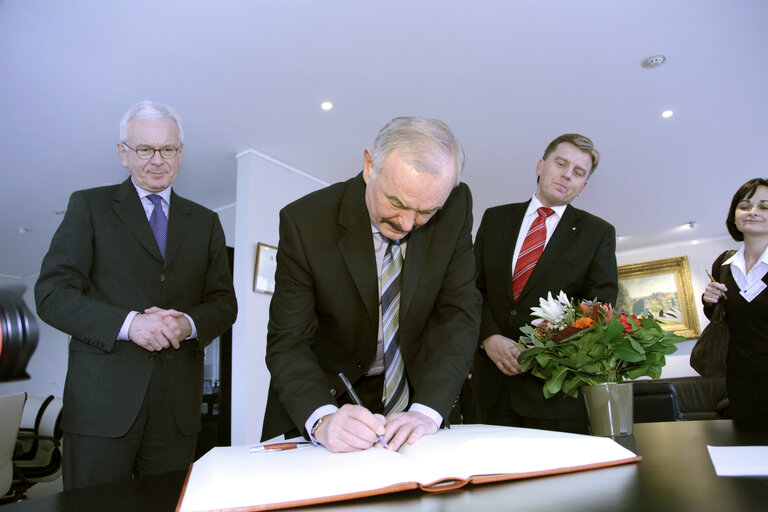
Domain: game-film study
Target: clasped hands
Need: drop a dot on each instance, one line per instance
(354, 427)
(158, 329)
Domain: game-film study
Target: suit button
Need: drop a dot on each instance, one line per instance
(359, 364)
(162, 278)
(513, 312)
(333, 391)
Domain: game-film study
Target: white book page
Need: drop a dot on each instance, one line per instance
(472, 450)
(233, 477)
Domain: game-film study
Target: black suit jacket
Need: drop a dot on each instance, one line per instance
(579, 259)
(324, 313)
(103, 263)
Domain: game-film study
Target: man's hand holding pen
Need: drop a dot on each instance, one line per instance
(352, 427)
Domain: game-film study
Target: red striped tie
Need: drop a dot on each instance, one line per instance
(533, 246)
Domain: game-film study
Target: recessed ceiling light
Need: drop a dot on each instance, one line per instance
(326, 105)
(654, 61)
(667, 114)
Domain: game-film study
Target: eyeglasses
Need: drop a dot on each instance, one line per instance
(148, 152)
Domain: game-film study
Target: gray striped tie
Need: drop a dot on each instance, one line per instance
(395, 381)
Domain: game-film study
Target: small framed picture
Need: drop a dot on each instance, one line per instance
(264, 273)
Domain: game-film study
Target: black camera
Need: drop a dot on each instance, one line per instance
(18, 333)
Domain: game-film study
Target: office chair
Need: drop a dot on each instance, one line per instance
(38, 452)
(655, 401)
(11, 407)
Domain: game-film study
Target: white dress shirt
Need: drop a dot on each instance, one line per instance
(750, 283)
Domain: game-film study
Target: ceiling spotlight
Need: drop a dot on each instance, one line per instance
(695, 242)
(692, 224)
(654, 61)
(667, 114)
(22, 230)
(326, 105)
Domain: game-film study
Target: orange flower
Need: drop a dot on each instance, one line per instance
(583, 322)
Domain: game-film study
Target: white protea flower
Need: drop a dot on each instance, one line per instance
(550, 309)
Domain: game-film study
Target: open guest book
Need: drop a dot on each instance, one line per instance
(238, 478)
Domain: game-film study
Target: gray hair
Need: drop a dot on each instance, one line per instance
(149, 110)
(421, 141)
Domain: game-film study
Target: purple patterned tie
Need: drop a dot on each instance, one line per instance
(158, 222)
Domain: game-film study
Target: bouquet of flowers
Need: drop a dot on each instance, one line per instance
(571, 345)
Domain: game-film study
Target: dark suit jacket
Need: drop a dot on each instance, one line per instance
(324, 313)
(103, 263)
(579, 259)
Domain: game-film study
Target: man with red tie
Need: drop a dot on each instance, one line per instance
(523, 251)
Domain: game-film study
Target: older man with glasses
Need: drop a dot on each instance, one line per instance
(139, 278)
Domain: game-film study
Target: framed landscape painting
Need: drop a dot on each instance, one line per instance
(661, 287)
(264, 273)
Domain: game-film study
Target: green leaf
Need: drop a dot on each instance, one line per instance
(638, 307)
(629, 355)
(555, 383)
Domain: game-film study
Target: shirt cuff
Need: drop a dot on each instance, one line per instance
(427, 411)
(192, 324)
(123, 334)
(319, 413)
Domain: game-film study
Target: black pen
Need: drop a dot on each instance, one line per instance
(357, 400)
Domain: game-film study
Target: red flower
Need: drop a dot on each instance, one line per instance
(628, 326)
(596, 311)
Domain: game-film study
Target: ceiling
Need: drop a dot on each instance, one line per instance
(506, 76)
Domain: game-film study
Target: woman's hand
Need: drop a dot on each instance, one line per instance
(713, 292)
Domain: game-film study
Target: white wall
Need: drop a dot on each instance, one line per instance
(700, 257)
(264, 186)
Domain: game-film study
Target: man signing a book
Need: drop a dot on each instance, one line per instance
(375, 280)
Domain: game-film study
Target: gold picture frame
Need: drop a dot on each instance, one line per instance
(661, 285)
(264, 271)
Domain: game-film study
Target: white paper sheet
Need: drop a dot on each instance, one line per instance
(739, 460)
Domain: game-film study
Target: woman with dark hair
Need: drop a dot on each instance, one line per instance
(744, 277)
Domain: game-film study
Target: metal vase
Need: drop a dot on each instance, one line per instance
(609, 407)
